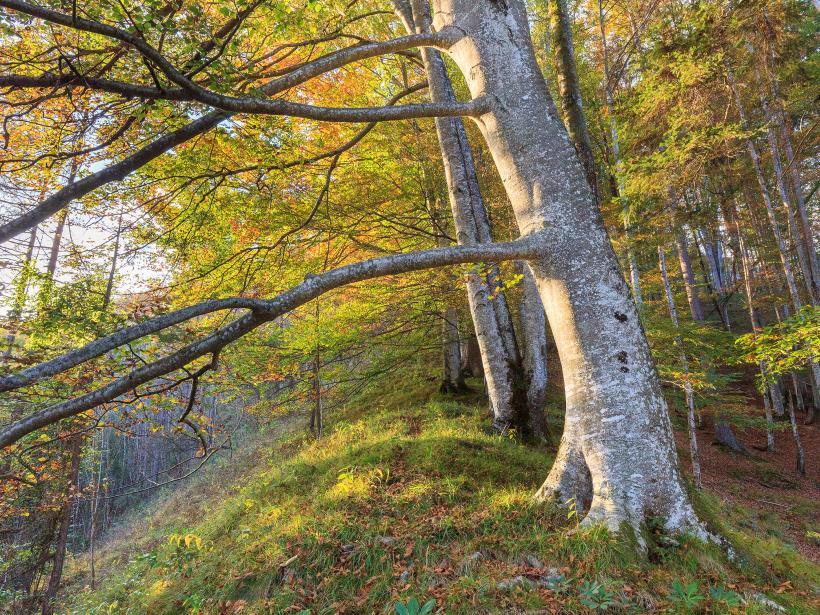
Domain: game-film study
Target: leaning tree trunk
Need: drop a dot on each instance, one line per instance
(494, 331)
(618, 450)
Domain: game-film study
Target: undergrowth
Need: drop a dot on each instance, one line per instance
(409, 499)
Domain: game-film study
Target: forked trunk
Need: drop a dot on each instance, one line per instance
(618, 449)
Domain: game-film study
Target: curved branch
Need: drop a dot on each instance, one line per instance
(128, 90)
(257, 106)
(119, 170)
(311, 288)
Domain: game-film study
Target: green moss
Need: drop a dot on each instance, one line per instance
(405, 488)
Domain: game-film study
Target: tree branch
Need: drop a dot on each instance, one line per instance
(311, 288)
(115, 172)
(442, 39)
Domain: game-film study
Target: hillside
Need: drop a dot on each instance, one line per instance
(410, 496)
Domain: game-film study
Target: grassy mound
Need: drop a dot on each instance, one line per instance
(409, 497)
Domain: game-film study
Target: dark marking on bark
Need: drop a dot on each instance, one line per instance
(621, 317)
(500, 5)
(625, 370)
(622, 356)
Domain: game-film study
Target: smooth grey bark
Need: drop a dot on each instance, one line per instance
(618, 448)
(616, 153)
(569, 89)
(690, 397)
(491, 318)
(534, 334)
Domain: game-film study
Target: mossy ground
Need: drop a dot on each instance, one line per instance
(395, 502)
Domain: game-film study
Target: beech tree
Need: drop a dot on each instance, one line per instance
(617, 452)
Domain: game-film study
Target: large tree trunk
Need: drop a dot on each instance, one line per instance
(618, 448)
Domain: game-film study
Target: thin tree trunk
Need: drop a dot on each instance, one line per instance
(491, 321)
(453, 381)
(471, 358)
(690, 398)
(534, 328)
(21, 294)
(793, 165)
(780, 180)
(55, 244)
(569, 89)
(692, 298)
(754, 321)
(95, 502)
(616, 153)
(109, 286)
(801, 459)
(805, 224)
(75, 448)
(754, 154)
(814, 367)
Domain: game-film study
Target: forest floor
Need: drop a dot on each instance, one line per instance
(408, 496)
(766, 484)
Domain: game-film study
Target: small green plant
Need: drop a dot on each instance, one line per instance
(195, 603)
(687, 596)
(726, 596)
(414, 608)
(572, 511)
(558, 584)
(596, 597)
